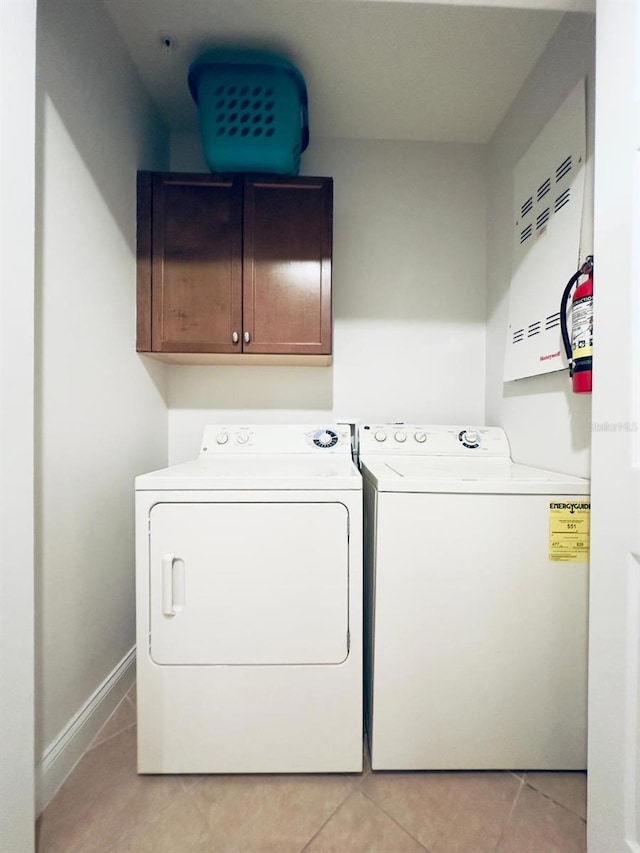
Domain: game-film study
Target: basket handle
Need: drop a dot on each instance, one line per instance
(304, 105)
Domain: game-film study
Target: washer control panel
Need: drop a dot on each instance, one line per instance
(222, 439)
(394, 434)
(433, 440)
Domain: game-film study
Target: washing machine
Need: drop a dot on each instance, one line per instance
(249, 605)
(476, 584)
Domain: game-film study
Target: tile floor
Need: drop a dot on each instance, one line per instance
(105, 807)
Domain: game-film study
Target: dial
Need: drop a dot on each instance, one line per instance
(325, 438)
(420, 436)
(380, 435)
(400, 436)
(222, 437)
(242, 438)
(469, 438)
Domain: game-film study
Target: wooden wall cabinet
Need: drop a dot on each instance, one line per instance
(234, 265)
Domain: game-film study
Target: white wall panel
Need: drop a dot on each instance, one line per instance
(101, 416)
(614, 660)
(17, 221)
(408, 294)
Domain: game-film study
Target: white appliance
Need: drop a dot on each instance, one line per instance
(249, 605)
(477, 640)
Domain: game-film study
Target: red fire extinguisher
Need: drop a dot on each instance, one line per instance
(579, 347)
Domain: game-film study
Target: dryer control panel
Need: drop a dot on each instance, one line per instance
(434, 440)
(317, 439)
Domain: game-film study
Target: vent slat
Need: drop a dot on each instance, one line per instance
(563, 169)
(542, 219)
(543, 189)
(563, 199)
(527, 207)
(534, 329)
(526, 233)
(552, 324)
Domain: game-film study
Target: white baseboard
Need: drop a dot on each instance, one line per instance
(62, 755)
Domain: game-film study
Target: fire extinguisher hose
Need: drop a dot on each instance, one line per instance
(566, 340)
(585, 269)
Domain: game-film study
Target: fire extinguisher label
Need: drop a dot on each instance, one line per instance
(582, 324)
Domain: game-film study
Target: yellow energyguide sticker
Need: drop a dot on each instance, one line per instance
(569, 530)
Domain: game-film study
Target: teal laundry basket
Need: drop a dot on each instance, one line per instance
(253, 111)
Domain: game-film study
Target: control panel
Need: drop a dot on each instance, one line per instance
(221, 439)
(433, 440)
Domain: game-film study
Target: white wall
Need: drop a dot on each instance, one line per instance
(17, 215)
(547, 424)
(408, 298)
(101, 415)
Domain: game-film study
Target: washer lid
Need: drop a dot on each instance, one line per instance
(491, 476)
(277, 471)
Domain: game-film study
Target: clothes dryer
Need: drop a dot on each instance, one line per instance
(477, 593)
(249, 614)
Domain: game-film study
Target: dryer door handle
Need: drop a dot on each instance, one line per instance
(173, 592)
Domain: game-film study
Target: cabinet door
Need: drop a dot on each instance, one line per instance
(196, 292)
(287, 265)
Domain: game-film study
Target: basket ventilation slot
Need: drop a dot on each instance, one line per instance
(245, 111)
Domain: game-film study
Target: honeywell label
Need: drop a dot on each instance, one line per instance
(569, 531)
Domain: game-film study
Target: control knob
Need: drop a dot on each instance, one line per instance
(380, 435)
(470, 438)
(222, 437)
(420, 436)
(400, 436)
(325, 438)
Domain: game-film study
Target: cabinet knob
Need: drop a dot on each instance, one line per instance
(247, 338)
(235, 337)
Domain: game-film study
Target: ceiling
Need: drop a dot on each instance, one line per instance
(374, 70)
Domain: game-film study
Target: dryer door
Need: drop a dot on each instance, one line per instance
(249, 583)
